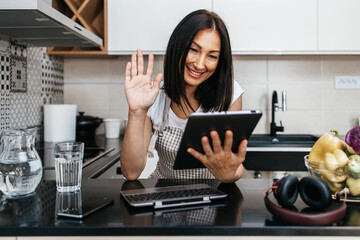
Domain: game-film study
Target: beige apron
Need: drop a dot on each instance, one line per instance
(166, 141)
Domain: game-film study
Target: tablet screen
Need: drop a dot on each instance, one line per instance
(242, 124)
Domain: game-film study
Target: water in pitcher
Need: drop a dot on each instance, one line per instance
(19, 178)
(20, 164)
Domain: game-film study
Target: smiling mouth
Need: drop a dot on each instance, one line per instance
(194, 73)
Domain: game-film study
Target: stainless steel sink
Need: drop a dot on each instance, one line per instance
(283, 140)
(285, 152)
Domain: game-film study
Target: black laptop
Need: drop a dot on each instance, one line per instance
(172, 196)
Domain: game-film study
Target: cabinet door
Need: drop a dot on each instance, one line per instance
(145, 24)
(270, 25)
(339, 25)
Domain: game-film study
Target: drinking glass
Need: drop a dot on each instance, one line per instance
(68, 202)
(68, 165)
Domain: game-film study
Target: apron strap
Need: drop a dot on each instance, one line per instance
(150, 151)
(159, 132)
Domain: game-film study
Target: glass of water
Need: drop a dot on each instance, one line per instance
(68, 202)
(68, 165)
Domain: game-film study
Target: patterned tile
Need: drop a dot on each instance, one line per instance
(18, 68)
(52, 79)
(18, 116)
(34, 60)
(4, 45)
(18, 74)
(29, 78)
(4, 88)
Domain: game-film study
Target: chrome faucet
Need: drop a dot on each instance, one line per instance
(274, 107)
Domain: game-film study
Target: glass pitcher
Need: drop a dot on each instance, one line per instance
(20, 164)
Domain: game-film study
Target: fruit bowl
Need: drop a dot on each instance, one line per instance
(335, 179)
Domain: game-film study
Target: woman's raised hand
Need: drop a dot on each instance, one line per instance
(139, 89)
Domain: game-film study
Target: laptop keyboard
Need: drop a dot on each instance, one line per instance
(171, 194)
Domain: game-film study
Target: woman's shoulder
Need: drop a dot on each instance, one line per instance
(237, 91)
(237, 87)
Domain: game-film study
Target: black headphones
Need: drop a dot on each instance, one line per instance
(313, 191)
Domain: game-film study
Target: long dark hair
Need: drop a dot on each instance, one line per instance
(215, 93)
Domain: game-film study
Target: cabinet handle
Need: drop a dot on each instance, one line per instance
(78, 27)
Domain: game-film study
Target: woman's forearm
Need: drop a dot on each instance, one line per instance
(133, 150)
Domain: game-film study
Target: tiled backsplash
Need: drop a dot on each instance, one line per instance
(29, 78)
(314, 105)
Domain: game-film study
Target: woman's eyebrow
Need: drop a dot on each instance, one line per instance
(201, 47)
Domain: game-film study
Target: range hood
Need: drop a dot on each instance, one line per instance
(36, 23)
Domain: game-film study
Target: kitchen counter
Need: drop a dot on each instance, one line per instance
(242, 213)
(97, 162)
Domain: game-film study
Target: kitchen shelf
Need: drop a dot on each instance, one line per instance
(92, 15)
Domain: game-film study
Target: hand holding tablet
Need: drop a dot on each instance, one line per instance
(241, 123)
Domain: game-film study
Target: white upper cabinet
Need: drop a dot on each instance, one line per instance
(255, 26)
(270, 26)
(339, 28)
(146, 24)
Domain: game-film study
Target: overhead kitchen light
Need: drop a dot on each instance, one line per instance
(36, 23)
(42, 19)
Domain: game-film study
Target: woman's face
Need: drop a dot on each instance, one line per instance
(203, 57)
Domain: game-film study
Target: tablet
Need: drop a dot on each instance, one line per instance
(242, 124)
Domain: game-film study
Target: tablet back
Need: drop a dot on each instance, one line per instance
(242, 124)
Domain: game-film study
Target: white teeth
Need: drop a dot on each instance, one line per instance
(195, 73)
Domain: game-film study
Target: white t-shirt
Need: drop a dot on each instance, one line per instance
(155, 112)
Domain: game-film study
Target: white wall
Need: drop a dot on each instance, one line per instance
(96, 85)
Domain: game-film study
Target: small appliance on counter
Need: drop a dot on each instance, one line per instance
(91, 152)
(59, 122)
(86, 127)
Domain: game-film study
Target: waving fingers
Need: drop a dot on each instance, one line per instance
(127, 72)
(150, 66)
(140, 62)
(133, 65)
(157, 80)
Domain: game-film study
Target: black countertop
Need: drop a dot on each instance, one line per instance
(243, 212)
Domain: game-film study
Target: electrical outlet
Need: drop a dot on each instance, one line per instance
(347, 82)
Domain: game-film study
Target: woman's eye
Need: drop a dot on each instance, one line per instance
(213, 57)
(194, 49)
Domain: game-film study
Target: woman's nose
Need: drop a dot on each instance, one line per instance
(200, 62)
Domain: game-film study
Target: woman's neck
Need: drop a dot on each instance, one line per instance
(185, 110)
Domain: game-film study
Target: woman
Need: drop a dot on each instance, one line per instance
(198, 77)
